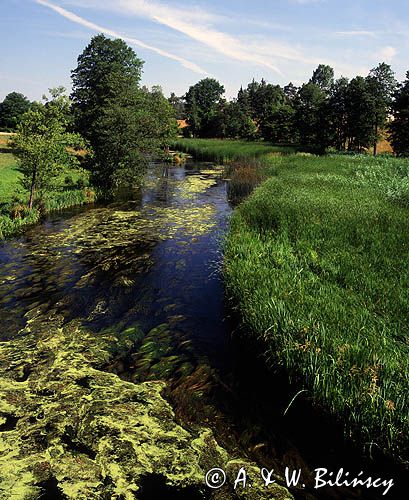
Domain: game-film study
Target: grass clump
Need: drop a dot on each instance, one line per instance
(224, 150)
(245, 175)
(316, 262)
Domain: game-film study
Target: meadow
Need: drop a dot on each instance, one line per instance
(316, 265)
(9, 176)
(71, 188)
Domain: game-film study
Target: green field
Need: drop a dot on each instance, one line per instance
(222, 150)
(316, 261)
(13, 199)
(8, 176)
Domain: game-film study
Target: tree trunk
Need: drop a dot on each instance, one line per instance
(32, 190)
(375, 146)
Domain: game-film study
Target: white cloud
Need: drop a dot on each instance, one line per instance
(132, 41)
(387, 53)
(198, 25)
(288, 59)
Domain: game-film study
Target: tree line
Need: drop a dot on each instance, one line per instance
(347, 115)
(119, 123)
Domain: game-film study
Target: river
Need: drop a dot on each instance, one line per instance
(131, 292)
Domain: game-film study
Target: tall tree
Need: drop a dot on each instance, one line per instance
(111, 109)
(399, 126)
(338, 113)
(234, 122)
(12, 109)
(160, 123)
(311, 118)
(382, 85)
(290, 91)
(360, 113)
(42, 144)
(202, 106)
(270, 108)
(178, 105)
(323, 76)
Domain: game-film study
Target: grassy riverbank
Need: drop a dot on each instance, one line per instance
(70, 189)
(227, 149)
(316, 262)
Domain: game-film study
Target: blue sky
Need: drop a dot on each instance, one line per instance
(183, 41)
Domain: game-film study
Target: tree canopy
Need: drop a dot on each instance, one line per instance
(344, 114)
(12, 109)
(202, 106)
(122, 121)
(399, 126)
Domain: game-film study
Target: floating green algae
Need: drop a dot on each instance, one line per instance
(67, 418)
(98, 436)
(193, 185)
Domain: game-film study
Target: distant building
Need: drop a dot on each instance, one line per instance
(182, 124)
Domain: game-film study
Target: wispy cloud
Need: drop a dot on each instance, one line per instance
(196, 24)
(132, 41)
(303, 2)
(199, 25)
(356, 33)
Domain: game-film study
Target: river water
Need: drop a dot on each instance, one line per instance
(153, 259)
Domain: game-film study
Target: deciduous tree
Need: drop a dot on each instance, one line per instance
(42, 144)
(202, 102)
(12, 109)
(122, 122)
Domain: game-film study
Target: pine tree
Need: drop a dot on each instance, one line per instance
(399, 127)
(381, 85)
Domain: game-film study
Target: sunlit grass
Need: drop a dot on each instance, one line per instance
(223, 150)
(317, 262)
(8, 176)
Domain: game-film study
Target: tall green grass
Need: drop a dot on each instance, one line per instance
(226, 149)
(316, 261)
(10, 226)
(14, 217)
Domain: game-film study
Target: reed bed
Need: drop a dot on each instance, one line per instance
(225, 150)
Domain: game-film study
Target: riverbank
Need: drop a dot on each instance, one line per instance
(316, 264)
(221, 150)
(71, 189)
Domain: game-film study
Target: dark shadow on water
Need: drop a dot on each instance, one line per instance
(51, 491)
(153, 486)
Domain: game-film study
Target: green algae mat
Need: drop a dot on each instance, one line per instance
(99, 319)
